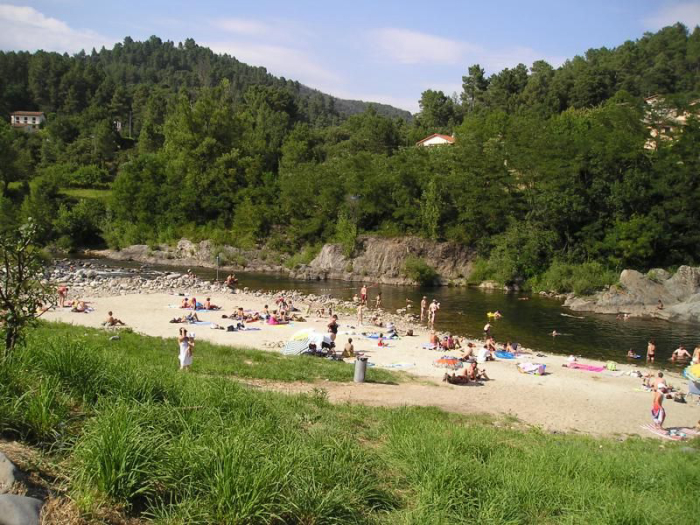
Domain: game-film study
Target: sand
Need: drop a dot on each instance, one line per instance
(563, 400)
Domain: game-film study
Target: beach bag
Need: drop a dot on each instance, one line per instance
(611, 365)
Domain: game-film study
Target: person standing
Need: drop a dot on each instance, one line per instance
(658, 414)
(333, 327)
(186, 349)
(62, 294)
(651, 351)
(423, 308)
(360, 307)
(363, 294)
(378, 301)
(432, 312)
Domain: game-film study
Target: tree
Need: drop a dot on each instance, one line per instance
(474, 86)
(22, 295)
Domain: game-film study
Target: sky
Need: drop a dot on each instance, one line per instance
(386, 51)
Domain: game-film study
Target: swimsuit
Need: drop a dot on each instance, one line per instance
(658, 414)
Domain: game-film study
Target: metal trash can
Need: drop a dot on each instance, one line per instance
(360, 369)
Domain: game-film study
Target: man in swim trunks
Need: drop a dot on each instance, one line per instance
(113, 321)
(658, 414)
(423, 308)
(432, 312)
(363, 294)
(680, 354)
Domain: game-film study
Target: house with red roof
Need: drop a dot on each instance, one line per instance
(27, 120)
(436, 139)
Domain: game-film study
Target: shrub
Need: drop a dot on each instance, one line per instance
(418, 270)
(581, 279)
(307, 254)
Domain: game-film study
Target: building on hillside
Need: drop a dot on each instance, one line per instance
(664, 121)
(27, 120)
(436, 140)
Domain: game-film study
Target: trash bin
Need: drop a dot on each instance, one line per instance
(360, 369)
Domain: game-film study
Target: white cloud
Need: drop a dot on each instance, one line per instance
(25, 28)
(412, 47)
(279, 60)
(687, 13)
(242, 26)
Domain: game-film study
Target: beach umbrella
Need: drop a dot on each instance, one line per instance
(693, 373)
(302, 335)
(297, 347)
(448, 361)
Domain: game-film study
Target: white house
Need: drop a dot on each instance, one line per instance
(27, 120)
(436, 140)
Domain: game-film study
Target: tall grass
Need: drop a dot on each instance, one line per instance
(191, 449)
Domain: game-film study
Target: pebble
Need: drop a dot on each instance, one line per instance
(8, 473)
(19, 510)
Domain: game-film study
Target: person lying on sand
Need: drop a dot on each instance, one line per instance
(113, 321)
(79, 306)
(209, 306)
(454, 379)
(189, 318)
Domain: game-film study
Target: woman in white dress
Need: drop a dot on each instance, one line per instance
(186, 347)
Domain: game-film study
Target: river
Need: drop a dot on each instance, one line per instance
(463, 311)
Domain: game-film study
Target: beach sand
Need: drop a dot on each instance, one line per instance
(563, 400)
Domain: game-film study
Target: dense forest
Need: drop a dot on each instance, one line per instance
(552, 168)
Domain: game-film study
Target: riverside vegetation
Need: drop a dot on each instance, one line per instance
(128, 432)
(549, 171)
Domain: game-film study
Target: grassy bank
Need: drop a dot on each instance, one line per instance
(129, 431)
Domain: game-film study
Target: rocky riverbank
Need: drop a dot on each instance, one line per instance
(377, 259)
(656, 294)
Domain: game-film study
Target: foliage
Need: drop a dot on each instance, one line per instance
(22, 295)
(181, 448)
(303, 257)
(581, 279)
(419, 271)
(346, 234)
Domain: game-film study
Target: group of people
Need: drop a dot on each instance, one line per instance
(680, 355)
(429, 309)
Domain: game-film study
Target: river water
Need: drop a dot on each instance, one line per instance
(463, 311)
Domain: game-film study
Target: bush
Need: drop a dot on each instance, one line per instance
(420, 271)
(581, 279)
(307, 254)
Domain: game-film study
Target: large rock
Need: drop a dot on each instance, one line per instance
(19, 510)
(638, 295)
(8, 473)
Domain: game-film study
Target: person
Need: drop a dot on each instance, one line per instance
(474, 373)
(432, 312)
(185, 303)
(654, 382)
(363, 294)
(468, 352)
(631, 354)
(658, 414)
(209, 306)
(191, 275)
(186, 349)
(113, 321)
(484, 355)
(450, 342)
(360, 307)
(193, 303)
(659, 305)
(62, 295)
(651, 351)
(445, 344)
(231, 281)
(79, 306)
(423, 307)
(355, 298)
(696, 355)
(491, 344)
(333, 327)
(454, 379)
(680, 354)
(554, 333)
(378, 300)
(434, 340)
(381, 342)
(487, 330)
(349, 350)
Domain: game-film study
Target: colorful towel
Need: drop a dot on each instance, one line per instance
(587, 368)
(532, 368)
(663, 433)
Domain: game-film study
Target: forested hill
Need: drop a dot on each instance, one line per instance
(53, 82)
(557, 175)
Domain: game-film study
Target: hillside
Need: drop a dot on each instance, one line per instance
(555, 174)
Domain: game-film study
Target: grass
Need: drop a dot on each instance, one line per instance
(87, 193)
(130, 432)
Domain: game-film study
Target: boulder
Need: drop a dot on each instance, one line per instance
(8, 473)
(19, 510)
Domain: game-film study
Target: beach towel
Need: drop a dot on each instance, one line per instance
(399, 366)
(678, 435)
(587, 368)
(505, 355)
(532, 368)
(202, 323)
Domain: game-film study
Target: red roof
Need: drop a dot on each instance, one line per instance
(449, 139)
(28, 113)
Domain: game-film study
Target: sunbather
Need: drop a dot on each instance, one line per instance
(209, 306)
(113, 321)
(474, 373)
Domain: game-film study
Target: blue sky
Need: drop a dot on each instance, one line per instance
(386, 51)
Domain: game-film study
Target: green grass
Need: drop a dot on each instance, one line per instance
(225, 361)
(86, 193)
(129, 430)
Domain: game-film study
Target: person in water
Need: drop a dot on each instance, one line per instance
(651, 351)
(680, 354)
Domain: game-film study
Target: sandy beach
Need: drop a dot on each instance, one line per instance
(563, 400)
